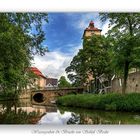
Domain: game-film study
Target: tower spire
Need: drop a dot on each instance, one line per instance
(91, 24)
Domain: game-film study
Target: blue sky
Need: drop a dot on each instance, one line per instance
(64, 38)
(61, 33)
(65, 30)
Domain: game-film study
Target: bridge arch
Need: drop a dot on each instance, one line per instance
(47, 96)
(39, 97)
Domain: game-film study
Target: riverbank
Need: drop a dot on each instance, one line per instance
(26, 94)
(109, 102)
(12, 98)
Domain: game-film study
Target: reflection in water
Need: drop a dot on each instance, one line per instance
(21, 112)
(74, 119)
(24, 112)
(18, 112)
(55, 118)
(104, 117)
(58, 118)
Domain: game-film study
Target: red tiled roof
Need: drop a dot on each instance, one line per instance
(91, 27)
(37, 72)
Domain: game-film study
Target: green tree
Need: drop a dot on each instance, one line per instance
(97, 56)
(63, 82)
(93, 59)
(126, 37)
(77, 71)
(18, 44)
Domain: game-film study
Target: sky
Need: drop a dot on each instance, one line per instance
(63, 37)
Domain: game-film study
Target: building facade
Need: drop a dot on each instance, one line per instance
(51, 83)
(39, 81)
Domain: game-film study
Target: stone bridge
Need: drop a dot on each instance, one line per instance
(48, 96)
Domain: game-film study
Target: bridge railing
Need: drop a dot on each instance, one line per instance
(57, 88)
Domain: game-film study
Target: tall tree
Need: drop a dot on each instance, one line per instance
(125, 32)
(93, 60)
(63, 82)
(18, 44)
(98, 58)
(32, 26)
(77, 71)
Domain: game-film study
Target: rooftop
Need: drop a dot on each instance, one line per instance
(37, 72)
(91, 27)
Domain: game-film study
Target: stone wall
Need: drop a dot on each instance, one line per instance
(133, 83)
(51, 95)
(26, 94)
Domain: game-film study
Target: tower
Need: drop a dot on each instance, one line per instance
(91, 30)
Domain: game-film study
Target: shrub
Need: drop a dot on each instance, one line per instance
(110, 107)
(112, 101)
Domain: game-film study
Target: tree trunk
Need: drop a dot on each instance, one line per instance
(126, 65)
(126, 69)
(97, 84)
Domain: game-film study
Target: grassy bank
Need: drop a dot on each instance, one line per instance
(110, 102)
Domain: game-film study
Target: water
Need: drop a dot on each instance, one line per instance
(24, 112)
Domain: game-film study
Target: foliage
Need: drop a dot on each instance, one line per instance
(88, 116)
(112, 101)
(19, 117)
(77, 69)
(126, 41)
(32, 25)
(97, 55)
(21, 37)
(93, 59)
(110, 107)
(63, 82)
(12, 113)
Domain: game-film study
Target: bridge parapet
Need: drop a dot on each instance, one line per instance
(57, 88)
(48, 95)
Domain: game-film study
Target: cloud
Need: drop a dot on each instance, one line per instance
(83, 22)
(105, 28)
(53, 64)
(74, 48)
(86, 18)
(55, 118)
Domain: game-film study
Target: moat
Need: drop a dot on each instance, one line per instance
(24, 112)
